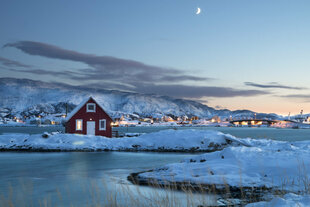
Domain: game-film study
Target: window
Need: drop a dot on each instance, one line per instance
(102, 124)
(79, 124)
(91, 107)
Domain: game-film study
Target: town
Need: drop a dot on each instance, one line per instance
(131, 120)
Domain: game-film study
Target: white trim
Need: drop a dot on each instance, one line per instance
(76, 121)
(90, 104)
(105, 125)
(76, 109)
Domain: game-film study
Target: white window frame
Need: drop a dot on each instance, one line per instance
(76, 121)
(105, 125)
(91, 104)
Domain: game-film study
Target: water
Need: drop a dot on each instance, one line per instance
(74, 178)
(241, 132)
(85, 178)
(30, 129)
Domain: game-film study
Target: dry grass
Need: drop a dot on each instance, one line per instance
(168, 194)
(103, 194)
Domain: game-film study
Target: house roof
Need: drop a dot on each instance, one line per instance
(76, 109)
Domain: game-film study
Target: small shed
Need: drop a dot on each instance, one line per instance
(89, 118)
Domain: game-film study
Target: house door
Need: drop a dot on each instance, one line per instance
(90, 128)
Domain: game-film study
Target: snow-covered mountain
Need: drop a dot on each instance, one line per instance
(24, 97)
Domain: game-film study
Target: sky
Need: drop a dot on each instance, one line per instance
(235, 54)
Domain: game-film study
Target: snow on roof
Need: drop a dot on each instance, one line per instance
(100, 106)
(76, 109)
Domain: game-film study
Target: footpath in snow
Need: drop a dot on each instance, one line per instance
(166, 140)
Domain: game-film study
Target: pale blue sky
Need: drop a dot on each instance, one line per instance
(231, 41)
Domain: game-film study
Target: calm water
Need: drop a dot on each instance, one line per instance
(242, 132)
(84, 178)
(75, 178)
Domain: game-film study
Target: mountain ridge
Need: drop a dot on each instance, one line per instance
(23, 95)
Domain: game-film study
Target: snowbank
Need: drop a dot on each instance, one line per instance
(166, 140)
(291, 200)
(267, 165)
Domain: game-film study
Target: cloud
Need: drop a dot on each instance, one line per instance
(10, 63)
(106, 67)
(272, 85)
(302, 97)
(123, 74)
(65, 73)
(186, 91)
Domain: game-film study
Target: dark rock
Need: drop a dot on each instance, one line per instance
(45, 135)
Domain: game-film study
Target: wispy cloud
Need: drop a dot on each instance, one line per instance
(10, 63)
(106, 67)
(116, 73)
(298, 97)
(186, 91)
(273, 85)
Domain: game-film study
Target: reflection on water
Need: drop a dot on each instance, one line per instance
(88, 178)
(78, 178)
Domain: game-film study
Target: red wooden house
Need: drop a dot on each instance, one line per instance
(89, 118)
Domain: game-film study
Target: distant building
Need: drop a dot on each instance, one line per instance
(47, 122)
(253, 122)
(216, 119)
(168, 119)
(89, 118)
(35, 121)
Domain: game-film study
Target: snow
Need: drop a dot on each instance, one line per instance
(166, 140)
(22, 95)
(265, 163)
(77, 108)
(290, 200)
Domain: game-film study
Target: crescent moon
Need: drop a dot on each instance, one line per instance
(198, 10)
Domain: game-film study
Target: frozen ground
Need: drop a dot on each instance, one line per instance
(233, 162)
(259, 166)
(166, 140)
(290, 200)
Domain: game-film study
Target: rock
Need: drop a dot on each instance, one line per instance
(45, 135)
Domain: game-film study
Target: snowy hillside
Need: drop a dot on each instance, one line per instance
(24, 96)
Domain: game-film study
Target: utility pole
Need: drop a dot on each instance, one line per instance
(66, 109)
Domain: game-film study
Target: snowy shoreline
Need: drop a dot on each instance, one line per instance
(236, 168)
(162, 141)
(255, 169)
